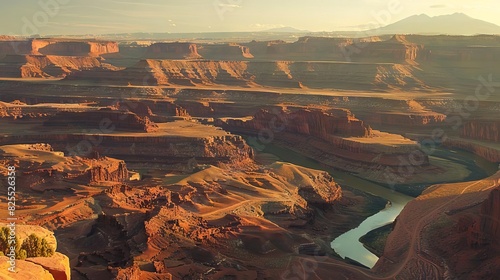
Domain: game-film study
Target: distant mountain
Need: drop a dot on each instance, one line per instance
(286, 29)
(454, 24)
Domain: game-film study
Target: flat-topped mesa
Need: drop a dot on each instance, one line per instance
(172, 51)
(76, 48)
(397, 49)
(58, 47)
(321, 124)
(338, 138)
(48, 66)
(16, 47)
(458, 49)
(43, 168)
(179, 144)
(111, 120)
(487, 130)
(225, 51)
(314, 48)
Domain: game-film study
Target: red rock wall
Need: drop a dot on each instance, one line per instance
(167, 150)
(397, 49)
(114, 172)
(41, 66)
(481, 130)
(78, 48)
(308, 122)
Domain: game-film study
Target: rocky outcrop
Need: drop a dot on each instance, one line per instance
(481, 130)
(180, 152)
(397, 49)
(98, 170)
(319, 190)
(25, 270)
(148, 108)
(334, 137)
(172, 51)
(42, 66)
(51, 175)
(108, 171)
(317, 123)
(57, 265)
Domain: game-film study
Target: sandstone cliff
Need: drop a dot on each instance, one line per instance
(75, 48)
(172, 51)
(316, 123)
(56, 267)
(481, 130)
(291, 74)
(57, 47)
(42, 66)
(225, 52)
(397, 49)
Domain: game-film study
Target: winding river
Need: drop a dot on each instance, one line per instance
(348, 245)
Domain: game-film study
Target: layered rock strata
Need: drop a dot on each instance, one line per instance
(481, 130)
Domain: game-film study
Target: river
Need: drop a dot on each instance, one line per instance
(348, 244)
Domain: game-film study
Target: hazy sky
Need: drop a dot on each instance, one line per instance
(26, 17)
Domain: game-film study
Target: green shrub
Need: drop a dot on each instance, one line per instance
(4, 242)
(33, 246)
(37, 247)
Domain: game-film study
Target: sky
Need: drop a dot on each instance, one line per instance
(75, 17)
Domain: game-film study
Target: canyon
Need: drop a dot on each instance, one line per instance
(160, 159)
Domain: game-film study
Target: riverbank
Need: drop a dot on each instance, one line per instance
(375, 239)
(348, 245)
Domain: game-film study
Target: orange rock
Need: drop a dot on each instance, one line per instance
(57, 265)
(24, 270)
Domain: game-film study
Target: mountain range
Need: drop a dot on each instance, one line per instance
(454, 24)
